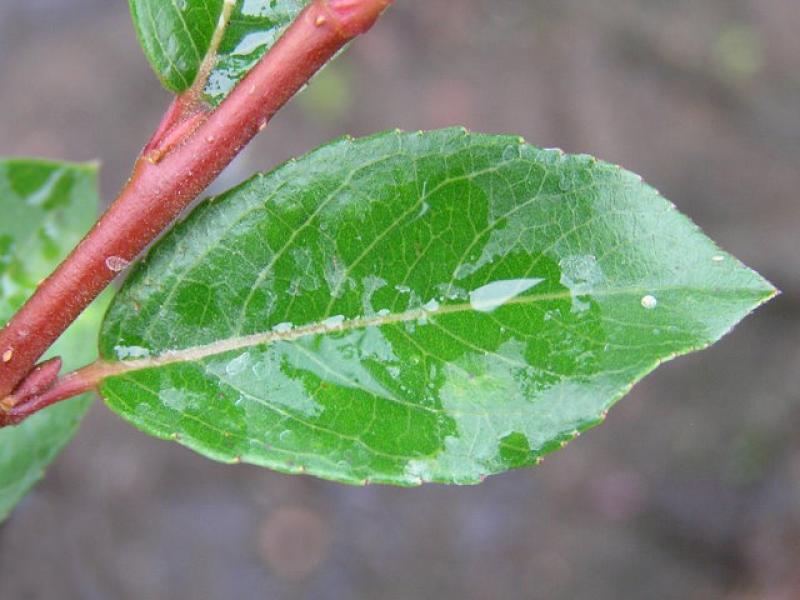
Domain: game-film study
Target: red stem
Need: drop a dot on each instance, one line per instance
(190, 149)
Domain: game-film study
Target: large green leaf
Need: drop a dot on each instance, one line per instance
(414, 307)
(178, 35)
(46, 207)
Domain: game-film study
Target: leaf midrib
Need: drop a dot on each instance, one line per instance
(201, 352)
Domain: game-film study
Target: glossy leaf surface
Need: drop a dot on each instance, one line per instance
(46, 208)
(177, 36)
(414, 307)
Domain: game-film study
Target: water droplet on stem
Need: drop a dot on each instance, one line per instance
(117, 263)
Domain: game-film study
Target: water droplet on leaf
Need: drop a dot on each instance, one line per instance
(493, 295)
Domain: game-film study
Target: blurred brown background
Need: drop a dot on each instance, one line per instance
(691, 489)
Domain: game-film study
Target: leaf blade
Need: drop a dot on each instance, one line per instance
(177, 36)
(48, 207)
(414, 307)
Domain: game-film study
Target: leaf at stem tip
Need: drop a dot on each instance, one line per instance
(46, 208)
(177, 36)
(414, 307)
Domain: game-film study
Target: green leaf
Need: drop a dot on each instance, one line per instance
(179, 35)
(413, 307)
(46, 208)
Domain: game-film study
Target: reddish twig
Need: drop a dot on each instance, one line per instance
(189, 150)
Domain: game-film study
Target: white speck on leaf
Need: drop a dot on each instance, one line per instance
(431, 306)
(649, 302)
(131, 352)
(334, 322)
(283, 327)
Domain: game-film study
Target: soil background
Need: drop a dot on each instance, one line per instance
(692, 487)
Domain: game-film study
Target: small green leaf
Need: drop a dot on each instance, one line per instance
(413, 307)
(46, 208)
(179, 35)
